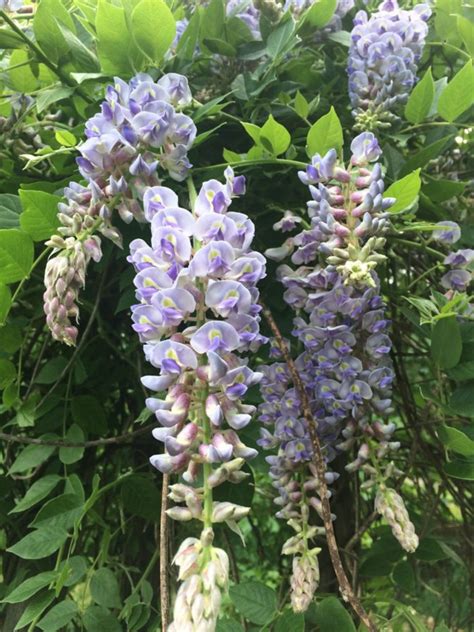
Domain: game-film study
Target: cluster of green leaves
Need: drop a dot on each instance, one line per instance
(78, 514)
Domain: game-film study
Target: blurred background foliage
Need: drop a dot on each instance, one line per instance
(79, 525)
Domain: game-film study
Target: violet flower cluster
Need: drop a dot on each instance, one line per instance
(383, 58)
(197, 314)
(140, 127)
(341, 325)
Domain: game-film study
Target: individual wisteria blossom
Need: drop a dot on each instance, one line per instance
(139, 134)
(383, 59)
(341, 325)
(197, 316)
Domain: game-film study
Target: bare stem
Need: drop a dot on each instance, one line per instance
(164, 584)
(344, 584)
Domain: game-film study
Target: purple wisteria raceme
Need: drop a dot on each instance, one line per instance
(197, 314)
(340, 324)
(140, 128)
(383, 59)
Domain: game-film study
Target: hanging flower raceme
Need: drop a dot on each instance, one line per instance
(383, 59)
(140, 128)
(340, 322)
(198, 312)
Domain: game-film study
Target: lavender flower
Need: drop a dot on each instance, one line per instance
(340, 322)
(447, 233)
(383, 58)
(246, 11)
(197, 313)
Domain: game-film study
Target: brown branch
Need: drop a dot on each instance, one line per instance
(345, 587)
(125, 438)
(164, 587)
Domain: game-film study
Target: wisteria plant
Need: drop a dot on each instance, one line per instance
(236, 328)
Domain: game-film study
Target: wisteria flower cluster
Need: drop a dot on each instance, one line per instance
(383, 58)
(198, 312)
(139, 128)
(341, 324)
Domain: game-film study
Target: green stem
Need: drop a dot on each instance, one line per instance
(254, 163)
(138, 585)
(64, 76)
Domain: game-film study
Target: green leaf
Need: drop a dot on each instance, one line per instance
(58, 617)
(46, 28)
(281, 39)
(39, 490)
(324, 135)
(466, 31)
(290, 621)
(253, 131)
(10, 209)
(7, 372)
(11, 338)
(105, 589)
(88, 413)
(321, 12)
(75, 568)
(274, 137)
(114, 39)
(301, 105)
(153, 27)
(30, 457)
(21, 78)
(10, 39)
(5, 302)
(29, 587)
(71, 455)
(220, 47)
(456, 440)
(16, 255)
(422, 157)
(51, 371)
(59, 513)
(34, 609)
(462, 372)
(26, 414)
(405, 191)
(331, 615)
(460, 469)
(65, 138)
(404, 576)
(442, 190)
(98, 619)
(39, 218)
(39, 543)
(458, 95)
(429, 550)
(462, 400)
(446, 343)
(141, 497)
(419, 103)
(255, 601)
(228, 625)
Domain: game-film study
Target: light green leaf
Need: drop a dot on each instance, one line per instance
(65, 138)
(10, 209)
(253, 131)
(113, 38)
(30, 457)
(105, 589)
(39, 490)
(405, 191)
(458, 95)
(325, 134)
(9, 39)
(39, 218)
(47, 32)
(446, 343)
(59, 513)
(321, 12)
(22, 78)
(29, 587)
(466, 31)
(153, 27)
(281, 39)
(274, 137)
(419, 103)
(71, 455)
(255, 601)
(456, 440)
(331, 615)
(5, 302)
(58, 617)
(301, 105)
(16, 255)
(39, 543)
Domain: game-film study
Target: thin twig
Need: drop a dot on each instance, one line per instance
(345, 587)
(164, 586)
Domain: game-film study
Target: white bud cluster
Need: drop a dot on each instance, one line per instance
(390, 505)
(204, 571)
(304, 580)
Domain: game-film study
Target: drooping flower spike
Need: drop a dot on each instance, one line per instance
(197, 316)
(383, 59)
(340, 322)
